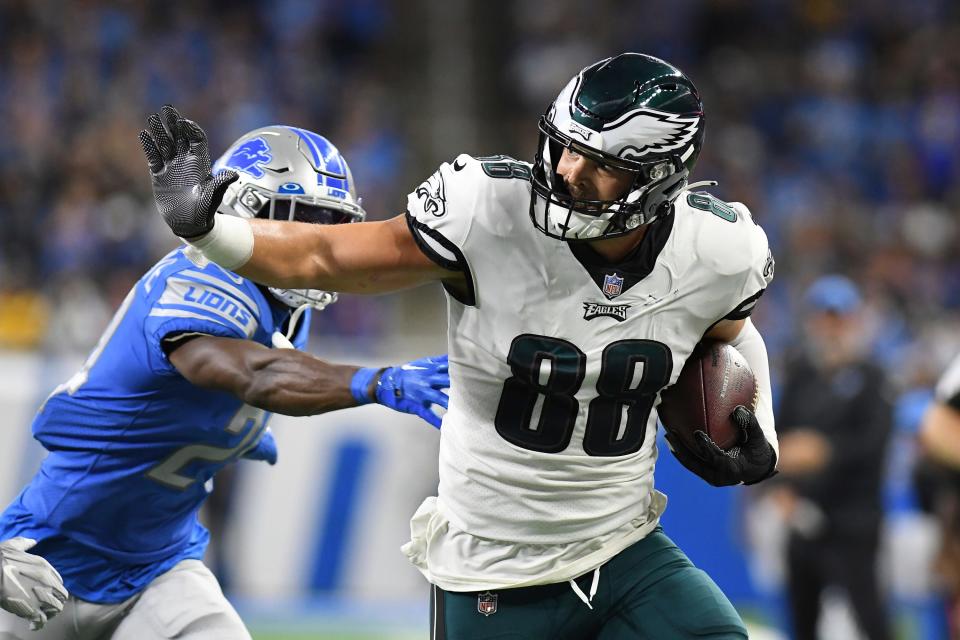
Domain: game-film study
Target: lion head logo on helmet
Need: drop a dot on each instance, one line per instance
(249, 156)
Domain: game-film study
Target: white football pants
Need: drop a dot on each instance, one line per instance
(185, 602)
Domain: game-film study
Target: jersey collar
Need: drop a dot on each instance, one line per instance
(635, 267)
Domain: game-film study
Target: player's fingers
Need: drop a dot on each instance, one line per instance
(20, 543)
(171, 118)
(437, 397)
(37, 620)
(748, 423)
(221, 181)
(214, 188)
(743, 416)
(193, 132)
(57, 590)
(154, 159)
(429, 416)
(50, 604)
(180, 139)
(439, 381)
(159, 134)
(708, 448)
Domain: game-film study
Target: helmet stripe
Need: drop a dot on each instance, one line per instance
(327, 158)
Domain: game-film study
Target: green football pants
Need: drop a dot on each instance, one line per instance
(649, 591)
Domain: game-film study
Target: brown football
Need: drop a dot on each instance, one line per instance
(714, 380)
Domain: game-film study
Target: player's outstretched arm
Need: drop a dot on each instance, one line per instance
(29, 586)
(369, 257)
(295, 383)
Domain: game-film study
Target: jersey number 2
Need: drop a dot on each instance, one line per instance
(173, 472)
(548, 372)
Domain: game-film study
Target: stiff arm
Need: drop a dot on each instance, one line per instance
(364, 257)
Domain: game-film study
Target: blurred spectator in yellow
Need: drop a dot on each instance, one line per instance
(834, 423)
(23, 319)
(938, 475)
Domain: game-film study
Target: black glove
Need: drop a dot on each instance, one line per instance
(754, 460)
(186, 194)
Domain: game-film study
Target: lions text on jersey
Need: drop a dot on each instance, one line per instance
(557, 361)
(132, 444)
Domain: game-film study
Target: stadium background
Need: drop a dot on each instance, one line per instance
(838, 122)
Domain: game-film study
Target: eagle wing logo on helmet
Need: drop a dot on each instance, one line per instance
(661, 131)
(249, 156)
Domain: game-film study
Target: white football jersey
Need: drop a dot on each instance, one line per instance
(557, 360)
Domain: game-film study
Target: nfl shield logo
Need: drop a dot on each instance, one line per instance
(612, 285)
(487, 603)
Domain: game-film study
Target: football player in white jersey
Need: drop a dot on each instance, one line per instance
(577, 287)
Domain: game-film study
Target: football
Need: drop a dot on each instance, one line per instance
(714, 380)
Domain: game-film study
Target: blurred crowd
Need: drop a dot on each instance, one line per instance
(837, 122)
(77, 80)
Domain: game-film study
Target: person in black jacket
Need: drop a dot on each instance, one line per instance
(834, 423)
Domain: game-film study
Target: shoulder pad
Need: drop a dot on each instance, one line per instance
(726, 239)
(467, 192)
(204, 295)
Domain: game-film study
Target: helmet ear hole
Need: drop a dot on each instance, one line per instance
(659, 171)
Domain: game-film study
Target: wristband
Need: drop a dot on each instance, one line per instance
(360, 384)
(229, 243)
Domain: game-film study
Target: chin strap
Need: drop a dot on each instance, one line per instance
(281, 341)
(703, 183)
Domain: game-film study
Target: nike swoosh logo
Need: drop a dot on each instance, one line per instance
(652, 299)
(457, 165)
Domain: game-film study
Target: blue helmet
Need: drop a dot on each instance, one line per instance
(287, 173)
(834, 294)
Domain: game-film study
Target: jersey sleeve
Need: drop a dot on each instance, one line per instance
(197, 302)
(440, 215)
(755, 260)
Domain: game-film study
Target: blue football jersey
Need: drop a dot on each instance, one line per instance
(133, 445)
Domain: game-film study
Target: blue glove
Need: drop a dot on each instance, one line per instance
(411, 388)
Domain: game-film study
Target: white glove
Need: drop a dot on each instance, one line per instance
(29, 586)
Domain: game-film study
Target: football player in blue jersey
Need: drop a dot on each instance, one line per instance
(181, 384)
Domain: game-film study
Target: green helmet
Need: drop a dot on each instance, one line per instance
(631, 112)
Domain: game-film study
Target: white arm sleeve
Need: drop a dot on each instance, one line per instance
(229, 243)
(749, 342)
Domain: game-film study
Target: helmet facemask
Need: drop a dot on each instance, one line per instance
(557, 213)
(632, 113)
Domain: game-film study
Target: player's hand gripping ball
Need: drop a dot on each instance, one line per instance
(714, 381)
(710, 421)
